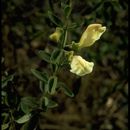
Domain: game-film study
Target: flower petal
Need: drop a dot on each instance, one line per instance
(91, 34)
(80, 66)
(56, 35)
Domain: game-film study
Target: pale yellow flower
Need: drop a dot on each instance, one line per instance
(56, 35)
(80, 66)
(91, 34)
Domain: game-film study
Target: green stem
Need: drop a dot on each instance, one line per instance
(65, 37)
(12, 120)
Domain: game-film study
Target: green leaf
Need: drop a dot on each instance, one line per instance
(44, 55)
(5, 118)
(52, 84)
(52, 104)
(56, 55)
(40, 75)
(5, 115)
(3, 93)
(42, 86)
(67, 10)
(54, 67)
(55, 19)
(43, 103)
(5, 126)
(6, 80)
(48, 103)
(28, 104)
(31, 124)
(66, 90)
(23, 119)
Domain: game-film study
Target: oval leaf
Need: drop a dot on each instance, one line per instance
(48, 103)
(41, 76)
(42, 86)
(56, 55)
(66, 90)
(31, 124)
(28, 104)
(67, 10)
(52, 84)
(24, 118)
(52, 104)
(44, 56)
(5, 126)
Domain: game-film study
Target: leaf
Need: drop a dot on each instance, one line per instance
(55, 19)
(31, 124)
(56, 55)
(42, 86)
(4, 115)
(52, 84)
(44, 55)
(43, 103)
(3, 93)
(23, 119)
(66, 90)
(28, 104)
(41, 76)
(52, 104)
(67, 10)
(48, 103)
(5, 126)
(6, 80)
(54, 67)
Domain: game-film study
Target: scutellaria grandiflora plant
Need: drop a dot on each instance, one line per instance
(57, 58)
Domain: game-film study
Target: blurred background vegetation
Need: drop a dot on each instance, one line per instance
(101, 98)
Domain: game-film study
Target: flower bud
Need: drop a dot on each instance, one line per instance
(91, 34)
(80, 66)
(56, 35)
